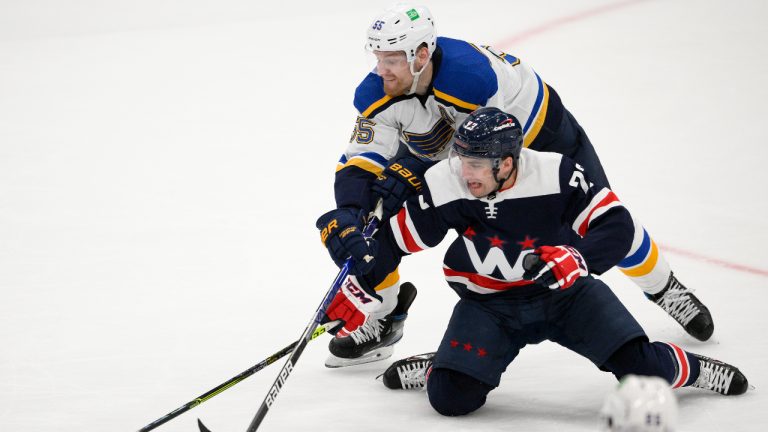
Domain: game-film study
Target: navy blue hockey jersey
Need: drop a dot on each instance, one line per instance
(551, 203)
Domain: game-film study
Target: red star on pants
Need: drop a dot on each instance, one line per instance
(481, 352)
(469, 233)
(454, 343)
(496, 242)
(528, 243)
(467, 346)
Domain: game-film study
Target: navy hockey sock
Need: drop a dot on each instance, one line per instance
(453, 393)
(665, 360)
(686, 365)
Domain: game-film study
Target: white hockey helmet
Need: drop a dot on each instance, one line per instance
(402, 27)
(640, 404)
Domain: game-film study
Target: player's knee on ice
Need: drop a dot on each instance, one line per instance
(453, 393)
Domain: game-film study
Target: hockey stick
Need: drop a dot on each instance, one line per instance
(317, 317)
(235, 380)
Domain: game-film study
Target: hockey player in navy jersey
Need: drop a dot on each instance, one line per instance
(533, 229)
(422, 88)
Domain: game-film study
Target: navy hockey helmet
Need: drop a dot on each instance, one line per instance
(489, 133)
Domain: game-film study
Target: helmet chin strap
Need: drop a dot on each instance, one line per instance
(416, 75)
(499, 181)
(499, 184)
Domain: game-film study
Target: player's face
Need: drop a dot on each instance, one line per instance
(478, 176)
(393, 68)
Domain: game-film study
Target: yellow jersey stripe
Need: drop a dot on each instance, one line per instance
(388, 281)
(455, 101)
(363, 164)
(540, 117)
(375, 105)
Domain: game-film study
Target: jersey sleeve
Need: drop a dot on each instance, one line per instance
(418, 225)
(374, 140)
(603, 228)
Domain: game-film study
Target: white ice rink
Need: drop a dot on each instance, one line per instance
(162, 164)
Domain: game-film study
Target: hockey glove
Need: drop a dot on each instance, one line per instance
(556, 267)
(353, 304)
(341, 232)
(401, 180)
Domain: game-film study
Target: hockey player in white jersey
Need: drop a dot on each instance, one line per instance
(423, 86)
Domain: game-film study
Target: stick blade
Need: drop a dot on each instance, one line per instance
(202, 426)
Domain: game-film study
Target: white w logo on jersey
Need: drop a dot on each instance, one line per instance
(495, 259)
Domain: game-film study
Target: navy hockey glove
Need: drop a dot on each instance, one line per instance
(353, 304)
(399, 181)
(556, 267)
(341, 232)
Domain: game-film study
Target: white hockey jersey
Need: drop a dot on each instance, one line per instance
(465, 77)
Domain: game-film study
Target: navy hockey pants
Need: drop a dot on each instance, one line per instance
(485, 335)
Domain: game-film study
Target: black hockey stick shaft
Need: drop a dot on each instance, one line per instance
(274, 391)
(234, 380)
(317, 317)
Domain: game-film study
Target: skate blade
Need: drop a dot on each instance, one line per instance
(376, 355)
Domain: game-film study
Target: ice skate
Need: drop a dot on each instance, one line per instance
(720, 377)
(409, 373)
(375, 339)
(680, 303)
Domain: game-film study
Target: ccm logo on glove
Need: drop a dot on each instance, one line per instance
(358, 293)
(353, 304)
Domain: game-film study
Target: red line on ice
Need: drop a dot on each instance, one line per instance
(716, 261)
(567, 19)
(589, 13)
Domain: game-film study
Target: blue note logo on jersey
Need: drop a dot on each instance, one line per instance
(433, 141)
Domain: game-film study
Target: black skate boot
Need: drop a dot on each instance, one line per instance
(375, 339)
(680, 303)
(409, 373)
(720, 377)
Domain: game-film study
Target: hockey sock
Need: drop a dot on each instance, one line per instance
(687, 366)
(644, 263)
(453, 393)
(665, 360)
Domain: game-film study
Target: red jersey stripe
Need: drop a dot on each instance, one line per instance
(410, 243)
(609, 198)
(486, 282)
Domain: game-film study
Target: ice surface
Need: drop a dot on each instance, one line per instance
(162, 164)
